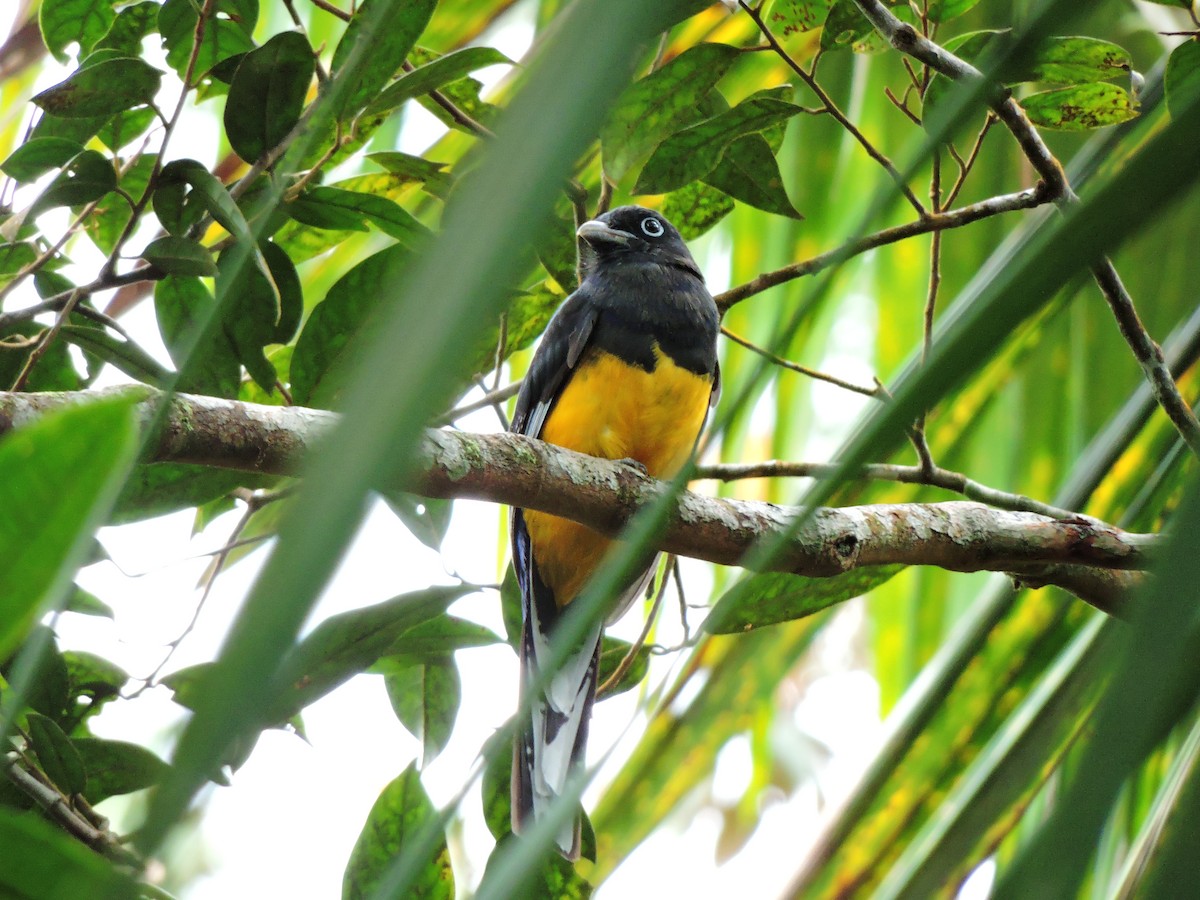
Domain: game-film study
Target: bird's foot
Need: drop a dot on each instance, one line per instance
(633, 464)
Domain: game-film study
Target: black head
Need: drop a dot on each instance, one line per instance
(634, 234)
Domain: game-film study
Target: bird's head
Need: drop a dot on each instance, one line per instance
(633, 235)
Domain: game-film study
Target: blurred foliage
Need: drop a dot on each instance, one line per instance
(298, 266)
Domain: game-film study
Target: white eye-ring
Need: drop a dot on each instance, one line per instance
(652, 227)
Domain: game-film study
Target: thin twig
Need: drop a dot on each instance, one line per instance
(936, 477)
(965, 165)
(875, 392)
(489, 399)
(628, 659)
(1027, 199)
(47, 339)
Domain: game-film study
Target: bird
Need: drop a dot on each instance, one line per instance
(626, 370)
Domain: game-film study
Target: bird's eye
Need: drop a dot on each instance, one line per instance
(651, 227)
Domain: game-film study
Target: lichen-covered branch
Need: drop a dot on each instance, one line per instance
(512, 469)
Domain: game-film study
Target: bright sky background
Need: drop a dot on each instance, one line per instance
(286, 826)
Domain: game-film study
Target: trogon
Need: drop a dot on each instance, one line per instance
(627, 370)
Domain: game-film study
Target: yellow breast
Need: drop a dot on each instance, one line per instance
(614, 410)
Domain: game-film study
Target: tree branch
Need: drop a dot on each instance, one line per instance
(604, 495)
(1148, 354)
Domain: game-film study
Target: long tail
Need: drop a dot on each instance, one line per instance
(550, 747)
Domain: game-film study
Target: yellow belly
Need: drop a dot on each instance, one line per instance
(616, 411)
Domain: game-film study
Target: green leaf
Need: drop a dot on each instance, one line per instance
(43, 862)
(53, 372)
(749, 172)
(180, 256)
(118, 767)
(161, 488)
(182, 306)
(58, 759)
(387, 45)
(465, 93)
(61, 475)
(510, 607)
(112, 213)
(131, 25)
(1182, 4)
(695, 208)
(87, 604)
(435, 638)
(37, 156)
(1076, 60)
(349, 643)
(425, 695)
(226, 34)
(267, 94)
(108, 87)
(410, 169)
(82, 22)
(396, 825)
(123, 355)
(772, 597)
(1080, 107)
(434, 75)
(496, 790)
(13, 259)
(1182, 77)
(260, 311)
(334, 207)
(427, 519)
(694, 152)
(324, 346)
(844, 25)
(945, 10)
(203, 190)
(92, 680)
(549, 878)
(612, 653)
(787, 17)
(655, 107)
(87, 177)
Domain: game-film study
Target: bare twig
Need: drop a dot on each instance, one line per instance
(957, 218)
(490, 399)
(628, 659)
(876, 392)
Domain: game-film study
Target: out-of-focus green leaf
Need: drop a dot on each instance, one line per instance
(425, 695)
(1182, 77)
(88, 604)
(117, 767)
(427, 519)
(267, 94)
(46, 531)
(695, 151)
(53, 372)
(395, 826)
(695, 208)
(657, 105)
(108, 87)
(410, 169)
(680, 746)
(160, 488)
(57, 757)
(1080, 107)
(438, 637)
(180, 256)
(386, 48)
(42, 861)
(37, 156)
(945, 10)
(124, 355)
(551, 876)
(92, 680)
(433, 75)
(336, 207)
(772, 597)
